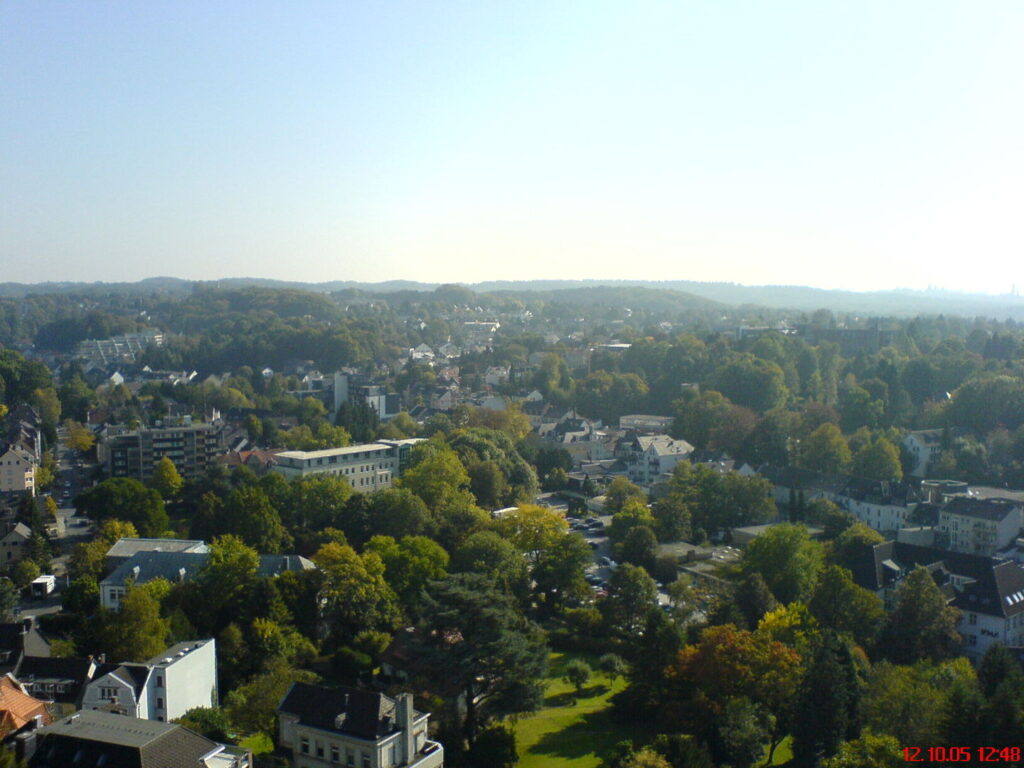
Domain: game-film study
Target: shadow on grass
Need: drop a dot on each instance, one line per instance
(593, 733)
(570, 698)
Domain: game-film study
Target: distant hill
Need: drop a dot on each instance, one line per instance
(899, 303)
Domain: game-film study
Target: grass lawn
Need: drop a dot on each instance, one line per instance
(783, 752)
(577, 734)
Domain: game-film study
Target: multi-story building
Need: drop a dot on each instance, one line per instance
(177, 567)
(980, 526)
(648, 457)
(17, 471)
(163, 688)
(367, 467)
(193, 448)
(358, 729)
(14, 543)
(925, 446)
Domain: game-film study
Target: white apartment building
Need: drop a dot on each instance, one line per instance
(164, 688)
(367, 467)
(17, 471)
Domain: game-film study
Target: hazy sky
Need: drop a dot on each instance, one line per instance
(835, 144)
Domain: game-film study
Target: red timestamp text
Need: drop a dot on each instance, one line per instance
(961, 754)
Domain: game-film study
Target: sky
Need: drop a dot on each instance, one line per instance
(864, 146)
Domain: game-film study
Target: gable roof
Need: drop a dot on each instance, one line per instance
(176, 566)
(17, 708)
(367, 715)
(91, 738)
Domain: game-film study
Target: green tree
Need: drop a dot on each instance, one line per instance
(754, 599)
(632, 594)
(640, 547)
(355, 595)
(79, 437)
(826, 709)
(211, 722)
(853, 544)
(166, 481)
(825, 450)
(410, 564)
(744, 730)
(922, 625)
(25, 571)
(495, 747)
(135, 632)
(613, 665)
(127, 499)
(787, 559)
(475, 640)
(868, 751)
(878, 460)
(8, 599)
(252, 707)
(841, 605)
(577, 674)
(619, 492)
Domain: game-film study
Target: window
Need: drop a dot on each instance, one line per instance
(319, 749)
(335, 753)
(304, 745)
(159, 703)
(350, 758)
(108, 693)
(159, 681)
(366, 760)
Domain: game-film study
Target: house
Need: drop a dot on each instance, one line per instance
(17, 471)
(981, 526)
(258, 460)
(988, 592)
(18, 708)
(14, 543)
(94, 739)
(18, 640)
(176, 567)
(496, 375)
(344, 726)
(59, 681)
(648, 457)
(924, 445)
(163, 688)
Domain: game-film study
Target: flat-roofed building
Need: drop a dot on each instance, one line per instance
(367, 466)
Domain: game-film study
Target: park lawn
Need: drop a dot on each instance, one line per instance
(577, 734)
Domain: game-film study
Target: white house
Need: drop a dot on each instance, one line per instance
(163, 688)
(980, 526)
(367, 466)
(648, 457)
(924, 445)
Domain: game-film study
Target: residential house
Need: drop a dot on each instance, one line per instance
(90, 739)
(258, 460)
(164, 688)
(192, 447)
(14, 543)
(924, 445)
(496, 375)
(18, 640)
(358, 729)
(981, 526)
(18, 708)
(177, 567)
(648, 457)
(17, 471)
(59, 681)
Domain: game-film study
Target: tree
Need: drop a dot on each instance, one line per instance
(166, 481)
(631, 514)
(853, 544)
(999, 667)
(410, 564)
(646, 758)
(787, 559)
(577, 674)
(613, 665)
(436, 475)
(841, 605)
(922, 625)
(474, 640)
(825, 450)
(826, 709)
(127, 499)
(632, 594)
(868, 751)
(211, 722)
(619, 492)
(230, 570)
(25, 572)
(135, 632)
(640, 547)
(252, 707)
(8, 599)
(398, 509)
(355, 595)
(489, 554)
(753, 382)
(743, 731)
(249, 515)
(754, 599)
(495, 747)
(78, 436)
(878, 460)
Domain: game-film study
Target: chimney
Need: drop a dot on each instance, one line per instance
(404, 715)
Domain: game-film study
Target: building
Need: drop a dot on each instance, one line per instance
(648, 457)
(17, 471)
(642, 422)
(924, 446)
(124, 549)
(163, 688)
(18, 708)
(14, 543)
(60, 682)
(344, 726)
(367, 466)
(980, 526)
(193, 448)
(99, 739)
(176, 567)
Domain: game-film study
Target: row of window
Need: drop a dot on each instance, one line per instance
(339, 753)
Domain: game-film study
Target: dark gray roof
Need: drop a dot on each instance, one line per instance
(72, 673)
(982, 509)
(367, 715)
(134, 675)
(89, 739)
(175, 565)
(999, 593)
